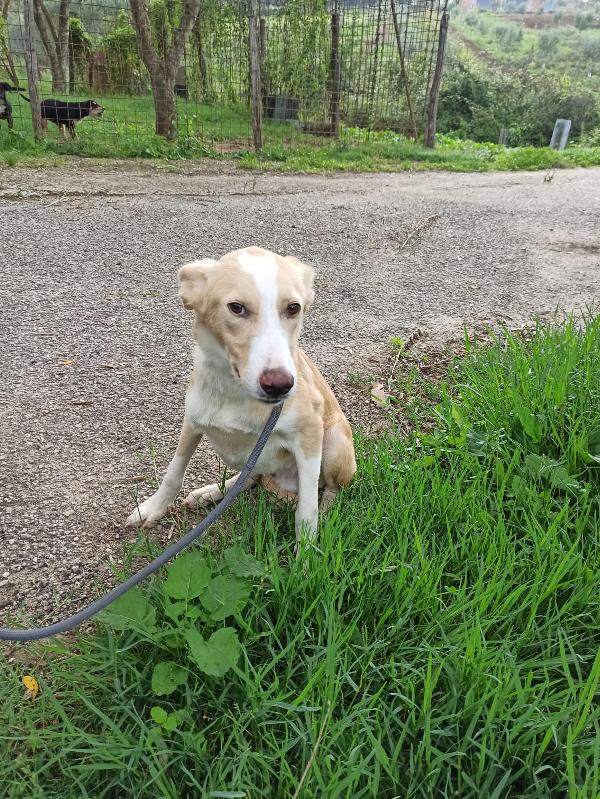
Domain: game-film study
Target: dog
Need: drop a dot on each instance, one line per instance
(248, 312)
(66, 115)
(5, 106)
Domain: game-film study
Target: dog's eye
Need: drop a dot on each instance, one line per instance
(293, 309)
(237, 308)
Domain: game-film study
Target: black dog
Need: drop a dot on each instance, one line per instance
(5, 106)
(66, 115)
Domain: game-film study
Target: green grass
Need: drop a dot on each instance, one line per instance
(126, 131)
(442, 641)
(392, 153)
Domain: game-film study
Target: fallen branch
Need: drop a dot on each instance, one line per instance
(423, 225)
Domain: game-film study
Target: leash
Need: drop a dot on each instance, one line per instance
(36, 633)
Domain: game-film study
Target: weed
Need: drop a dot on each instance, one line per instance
(11, 158)
(358, 380)
(397, 343)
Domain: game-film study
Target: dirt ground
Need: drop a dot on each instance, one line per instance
(95, 347)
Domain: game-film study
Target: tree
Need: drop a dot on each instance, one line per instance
(163, 68)
(6, 59)
(55, 38)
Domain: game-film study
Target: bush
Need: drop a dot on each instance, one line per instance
(550, 98)
(549, 41)
(126, 73)
(508, 36)
(590, 47)
(583, 21)
(476, 104)
(591, 138)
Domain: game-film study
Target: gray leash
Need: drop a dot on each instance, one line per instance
(73, 621)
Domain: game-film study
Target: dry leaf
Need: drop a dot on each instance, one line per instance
(378, 394)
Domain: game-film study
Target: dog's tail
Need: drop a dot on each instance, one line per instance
(16, 89)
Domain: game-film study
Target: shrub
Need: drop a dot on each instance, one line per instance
(508, 36)
(590, 47)
(591, 138)
(126, 72)
(549, 41)
(476, 104)
(584, 20)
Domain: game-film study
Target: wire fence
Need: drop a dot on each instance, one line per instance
(323, 69)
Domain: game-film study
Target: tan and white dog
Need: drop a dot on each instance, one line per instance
(248, 310)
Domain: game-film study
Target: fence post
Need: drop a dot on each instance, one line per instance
(435, 84)
(403, 72)
(31, 64)
(335, 75)
(255, 73)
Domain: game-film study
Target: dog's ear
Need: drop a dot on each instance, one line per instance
(308, 278)
(192, 281)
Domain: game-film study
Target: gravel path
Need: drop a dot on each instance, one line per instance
(95, 348)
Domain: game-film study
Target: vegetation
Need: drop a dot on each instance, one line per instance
(442, 639)
(161, 48)
(502, 75)
(124, 132)
(499, 75)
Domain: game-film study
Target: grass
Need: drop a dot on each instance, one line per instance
(392, 153)
(126, 131)
(443, 641)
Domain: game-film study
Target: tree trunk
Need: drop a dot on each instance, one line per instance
(71, 69)
(202, 65)
(50, 40)
(256, 92)
(62, 44)
(163, 70)
(434, 91)
(163, 89)
(32, 69)
(335, 75)
(6, 59)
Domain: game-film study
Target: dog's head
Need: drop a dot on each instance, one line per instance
(249, 308)
(96, 110)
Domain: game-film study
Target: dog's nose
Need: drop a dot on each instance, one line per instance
(276, 382)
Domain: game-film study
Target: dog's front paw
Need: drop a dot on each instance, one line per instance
(148, 513)
(201, 497)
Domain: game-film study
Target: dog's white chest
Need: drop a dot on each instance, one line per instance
(233, 429)
(234, 448)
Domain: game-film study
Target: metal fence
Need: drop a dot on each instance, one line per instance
(302, 70)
